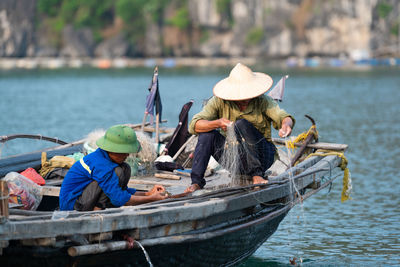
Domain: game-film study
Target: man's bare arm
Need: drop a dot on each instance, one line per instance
(203, 126)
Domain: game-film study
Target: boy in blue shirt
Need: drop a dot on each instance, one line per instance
(99, 180)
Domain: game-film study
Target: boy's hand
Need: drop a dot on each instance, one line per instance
(157, 189)
(159, 196)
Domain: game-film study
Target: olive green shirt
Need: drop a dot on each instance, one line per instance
(261, 112)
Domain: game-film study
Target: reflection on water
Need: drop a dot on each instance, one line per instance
(359, 108)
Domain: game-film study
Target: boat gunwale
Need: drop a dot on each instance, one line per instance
(144, 215)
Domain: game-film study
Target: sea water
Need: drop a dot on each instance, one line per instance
(357, 107)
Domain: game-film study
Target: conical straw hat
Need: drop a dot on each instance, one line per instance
(242, 84)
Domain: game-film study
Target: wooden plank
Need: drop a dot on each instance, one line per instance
(52, 182)
(167, 176)
(133, 182)
(317, 145)
(51, 190)
(97, 248)
(96, 222)
(139, 125)
(182, 173)
(162, 130)
(4, 199)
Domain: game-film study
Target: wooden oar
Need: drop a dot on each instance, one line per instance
(316, 145)
(183, 147)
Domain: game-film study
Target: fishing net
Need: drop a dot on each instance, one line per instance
(235, 156)
(147, 155)
(90, 140)
(230, 155)
(140, 163)
(238, 156)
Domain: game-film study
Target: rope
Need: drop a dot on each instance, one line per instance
(347, 185)
(301, 137)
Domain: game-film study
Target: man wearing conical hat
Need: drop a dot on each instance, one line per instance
(239, 99)
(99, 180)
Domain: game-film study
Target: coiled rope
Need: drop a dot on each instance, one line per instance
(301, 137)
(347, 185)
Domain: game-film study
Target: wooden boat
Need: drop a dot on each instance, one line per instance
(219, 226)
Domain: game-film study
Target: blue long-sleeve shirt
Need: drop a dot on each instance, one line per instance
(96, 166)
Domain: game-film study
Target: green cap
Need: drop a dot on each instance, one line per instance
(119, 139)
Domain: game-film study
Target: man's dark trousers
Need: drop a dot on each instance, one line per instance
(256, 153)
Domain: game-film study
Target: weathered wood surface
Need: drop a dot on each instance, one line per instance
(153, 214)
(168, 237)
(50, 190)
(3, 199)
(135, 181)
(162, 130)
(168, 240)
(97, 248)
(167, 176)
(317, 145)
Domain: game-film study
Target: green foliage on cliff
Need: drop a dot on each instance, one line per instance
(394, 30)
(131, 13)
(49, 7)
(99, 14)
(255, 36)
(384, 9)
(224, 8)
(180, 19)
(128, 10)
(137, 13)
(223, 5)
(90, 13)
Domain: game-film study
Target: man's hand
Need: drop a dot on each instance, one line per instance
(286, 128)
(224, 123)
(192, 188)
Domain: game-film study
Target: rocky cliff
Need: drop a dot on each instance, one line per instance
(205, 28)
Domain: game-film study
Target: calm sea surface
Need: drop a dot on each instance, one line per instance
(357, 107)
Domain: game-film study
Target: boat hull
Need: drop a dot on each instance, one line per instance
(227, 247)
